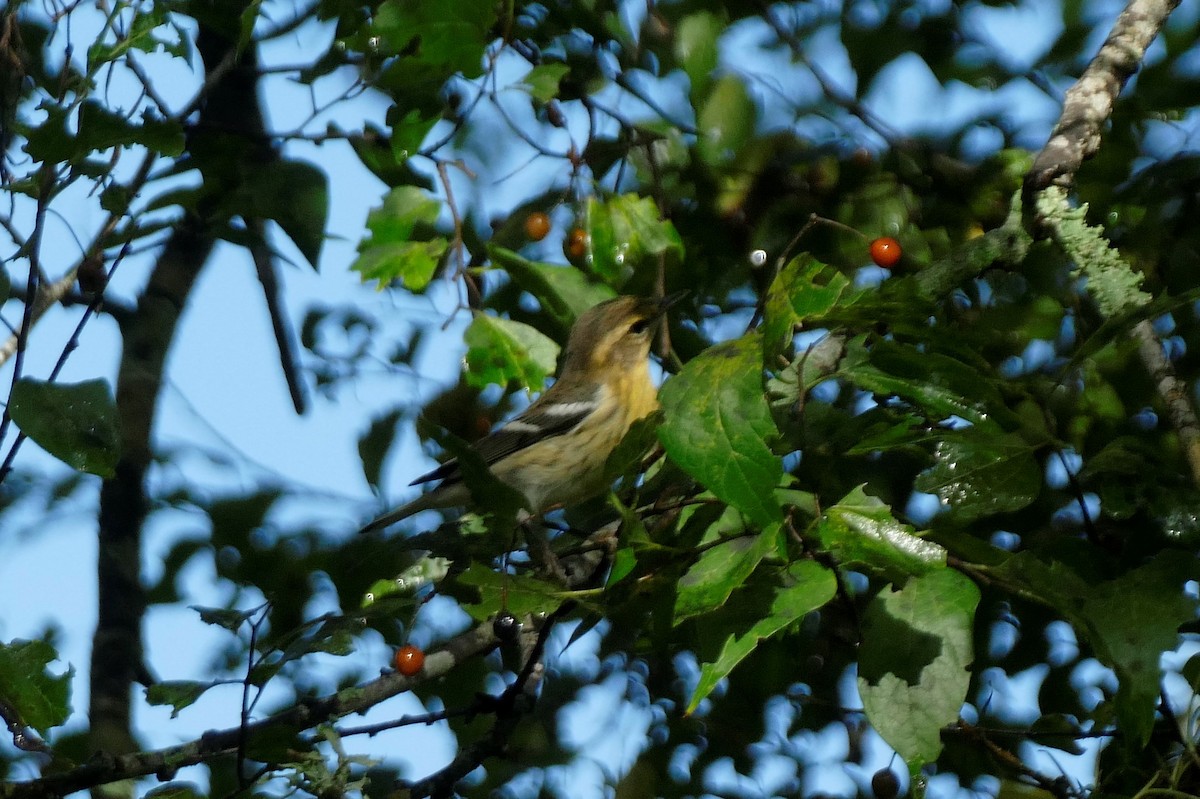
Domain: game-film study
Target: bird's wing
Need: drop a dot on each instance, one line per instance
(540, 421)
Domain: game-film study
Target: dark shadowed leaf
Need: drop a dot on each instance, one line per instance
(74, 422)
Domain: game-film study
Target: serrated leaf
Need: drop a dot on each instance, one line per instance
(403, 244)
(38, 699)
(74, 422)
(518, 594)
(808, 587)
(1129, 622)
(719, 570)
(502, 351)
(860, 531)
(978, 475)
(716, 425)
(176, 693)
(542, 81)
(625, 233)
(805, 289)
(912, 667)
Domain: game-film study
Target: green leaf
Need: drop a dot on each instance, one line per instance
(74, 422)
(429, 569)
(448, 36)
(231, 620)
(374, 445)
(808, 586)
(296, 195)
(940, 385)
(403, 244)
(912, 667)
(720, 569)
(1129, 622)
(408, 132)
(101, 129)
(563, 291)
(518, 594)
(542, 81)
(176, 693)
(804, 289)
(725, 121)
(38, 699)
(695, 48)
(716, 425)
(502, 351)
(861, 531)
(178, 789)
(977, 474)
(626, 233)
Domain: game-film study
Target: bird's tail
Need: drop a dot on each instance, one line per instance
(426, 501)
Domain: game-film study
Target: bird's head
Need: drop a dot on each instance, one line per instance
(615, 334)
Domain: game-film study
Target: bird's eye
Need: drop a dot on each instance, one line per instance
(639, 327)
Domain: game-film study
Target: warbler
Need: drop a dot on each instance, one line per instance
(555, 450)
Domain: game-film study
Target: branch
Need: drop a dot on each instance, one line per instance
(104, 769)
(1089, 103)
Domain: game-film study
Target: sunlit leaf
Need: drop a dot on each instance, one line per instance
(912, 667)
(716, 423)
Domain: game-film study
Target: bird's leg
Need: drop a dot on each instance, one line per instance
(539, 548)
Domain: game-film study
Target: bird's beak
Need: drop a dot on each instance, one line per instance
(670, 300)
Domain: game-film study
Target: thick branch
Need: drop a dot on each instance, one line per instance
(1089, 103)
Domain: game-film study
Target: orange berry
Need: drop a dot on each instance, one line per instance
(886, 252)
(408, 660)
(537, 225)
(575, 245)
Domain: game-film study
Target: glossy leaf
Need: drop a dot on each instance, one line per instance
(916, 649)
(860, 531)
(716, 425)
(978, 475)
(625, 233)
(74, 422)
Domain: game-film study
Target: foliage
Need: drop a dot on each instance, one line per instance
(871, 504)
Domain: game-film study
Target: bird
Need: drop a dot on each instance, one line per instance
(554, 452)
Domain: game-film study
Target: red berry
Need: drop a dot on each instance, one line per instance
(408, 660)
(575, 245)
(886, 252)
(537, 225)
